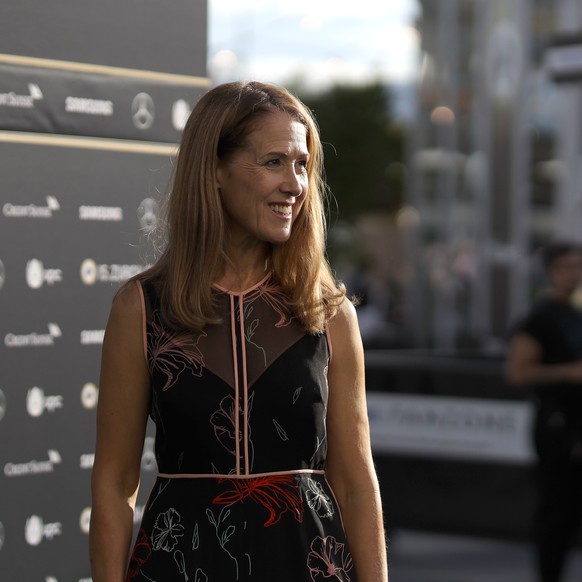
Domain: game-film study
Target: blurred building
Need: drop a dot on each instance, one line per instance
(494, 162)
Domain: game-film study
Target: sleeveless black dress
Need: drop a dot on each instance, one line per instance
(240, 414)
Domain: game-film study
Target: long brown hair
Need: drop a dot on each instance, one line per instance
(196, 246)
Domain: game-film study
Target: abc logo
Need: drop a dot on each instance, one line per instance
(35, 401)
(34, 530)
(34, 274)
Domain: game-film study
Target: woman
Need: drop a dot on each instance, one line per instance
(247, 356)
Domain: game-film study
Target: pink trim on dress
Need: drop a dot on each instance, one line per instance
(143, 320)
(328, 340)
(245, 384)
(224, 290)
(236, 395)
(231, 476)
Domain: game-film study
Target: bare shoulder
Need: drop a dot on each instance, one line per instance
(345, 322)
(127, 305)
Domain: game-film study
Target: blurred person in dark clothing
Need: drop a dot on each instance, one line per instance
(545, 353)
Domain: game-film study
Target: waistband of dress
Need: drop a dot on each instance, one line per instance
(239, 476)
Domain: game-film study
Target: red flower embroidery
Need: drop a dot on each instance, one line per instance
(329, 558)
(279, 494)
(172, 352)
(142, 552)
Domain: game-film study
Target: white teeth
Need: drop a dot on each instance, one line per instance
(281, 209)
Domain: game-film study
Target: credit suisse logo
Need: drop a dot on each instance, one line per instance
(12, 99)
(31, 210)
(34, 339)
(34, 467)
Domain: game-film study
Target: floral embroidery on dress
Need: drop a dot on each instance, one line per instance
(318, 500)
(223, 422)
(329, 560)
(272, 294)
(167, 530)
(279, 494)
(172, 352)
(142, 552)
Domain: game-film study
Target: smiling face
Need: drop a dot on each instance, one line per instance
(264, 183)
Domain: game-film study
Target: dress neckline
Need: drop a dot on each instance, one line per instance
(244, 291)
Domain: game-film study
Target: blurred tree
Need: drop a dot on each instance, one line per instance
(363, 146)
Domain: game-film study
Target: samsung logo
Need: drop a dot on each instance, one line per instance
(92, 337)
(105, 213)
(89, 106)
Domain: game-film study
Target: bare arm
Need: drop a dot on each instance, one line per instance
(121, 423)
(350, 469)
(525, 367)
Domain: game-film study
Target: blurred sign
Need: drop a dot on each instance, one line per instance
(471, 429)
(564, 58)
(74, 103)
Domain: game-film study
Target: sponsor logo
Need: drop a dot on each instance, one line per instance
(91, 272)
(143, 111)
(37, 274)
(28, 340)
(33, 467)
(31, 210)
(2, 535)
(12, 99)
(85, 520)
(89, 106)
(92, 337)
(180, 113)
(147, 214)
(89, 396)
(148, 458)
(86, 461)
(104, 213)
(2, 275)
(37, 402)
(35, 530)
(2, 405)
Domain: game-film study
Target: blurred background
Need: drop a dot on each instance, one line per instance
(452, 136)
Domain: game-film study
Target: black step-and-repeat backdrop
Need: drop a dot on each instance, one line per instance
(88, 129)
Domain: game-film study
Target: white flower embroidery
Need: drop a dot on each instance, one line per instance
(167, 530)
(318, 500)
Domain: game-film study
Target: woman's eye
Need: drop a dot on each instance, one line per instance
(302, 164)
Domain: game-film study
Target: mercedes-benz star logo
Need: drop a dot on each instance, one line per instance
(143, 111)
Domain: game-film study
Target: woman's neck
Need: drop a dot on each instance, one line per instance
(243, 271)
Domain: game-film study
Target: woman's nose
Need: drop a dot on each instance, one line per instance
(294, 182)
